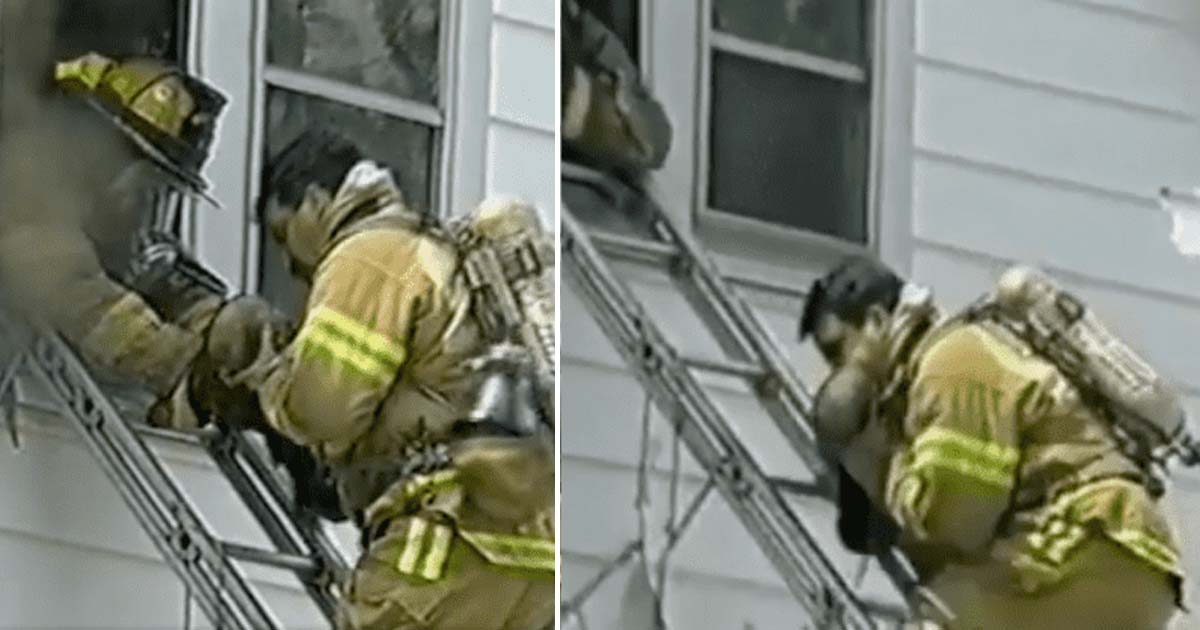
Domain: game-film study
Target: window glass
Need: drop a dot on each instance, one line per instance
(404, 146)
(122, 28)
(828, 28)
(788, 147)
(621, 17)
(387, 45)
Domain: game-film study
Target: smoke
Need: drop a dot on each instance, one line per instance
(57, 157)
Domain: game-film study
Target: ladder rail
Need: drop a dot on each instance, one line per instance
(257, 486)
(749, 339)
(743, 334)
(175, 528)
(789, 546)
(308, 528)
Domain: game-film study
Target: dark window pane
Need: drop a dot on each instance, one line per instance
(829, 28)
(406, 147)
(621, 17)
(788, 147)
(2, 38)
(388, 45)
(122, 28)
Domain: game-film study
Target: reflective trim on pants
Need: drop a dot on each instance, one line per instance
(522, 552)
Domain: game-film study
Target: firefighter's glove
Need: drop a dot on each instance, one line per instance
(862, 527)
(315, 487)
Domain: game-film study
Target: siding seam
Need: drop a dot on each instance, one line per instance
(1145, 202)
(1133, 14)
(1083, 278)
(1090, 96)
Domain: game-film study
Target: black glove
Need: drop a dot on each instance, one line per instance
(862, 527)
(170, 280)
(316, 490)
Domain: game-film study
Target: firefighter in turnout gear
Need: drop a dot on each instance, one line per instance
(93, 253)
(382, 381)
(980, 458)
(609, 119)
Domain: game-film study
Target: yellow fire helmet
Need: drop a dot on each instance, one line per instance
(171, 116)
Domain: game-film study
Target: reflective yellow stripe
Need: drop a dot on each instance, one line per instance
(909, 493)
(439, 550)
(1062, 540)
(373, 355)
(1079, 503)
(513, 551)
(423, 484)
(412, 546)
(1146, 547)
(989, 462)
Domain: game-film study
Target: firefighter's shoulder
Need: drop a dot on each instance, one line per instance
(982, 351)
(404, 255)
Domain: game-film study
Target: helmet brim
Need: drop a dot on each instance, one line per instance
(192, 181)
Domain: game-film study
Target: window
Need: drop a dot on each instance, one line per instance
(369, 68)
(622, 18)
(41, 32)
(788, 114)
(122, 28)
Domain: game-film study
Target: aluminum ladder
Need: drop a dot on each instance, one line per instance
(188, 545)
(751, 355)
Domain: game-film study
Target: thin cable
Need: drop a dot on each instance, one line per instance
(187, 607)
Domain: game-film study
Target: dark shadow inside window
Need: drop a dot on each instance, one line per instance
(387, 45)
(789, 147)
(122, 28)
(404, 147)
(622, 18)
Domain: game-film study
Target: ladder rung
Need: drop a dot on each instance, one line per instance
(634, 249)
(292, 562)
(799, 488)
(191, 438)
(767, 286)
(740, 369)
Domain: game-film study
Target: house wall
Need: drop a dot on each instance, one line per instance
(81, 557)
(1031, 130)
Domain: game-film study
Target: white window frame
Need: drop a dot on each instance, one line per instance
(714, 41)
(219, 240)
(888, 202)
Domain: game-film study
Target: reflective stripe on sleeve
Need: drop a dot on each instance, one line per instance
(986, 462)
(339, 339)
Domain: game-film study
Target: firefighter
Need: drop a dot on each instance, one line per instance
(94, 187)
(457, 518)
(609, 119)
(89, 213)
(1012, 497)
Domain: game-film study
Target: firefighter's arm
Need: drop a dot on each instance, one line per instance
(952, 480)
(351, 347)
(608, 113)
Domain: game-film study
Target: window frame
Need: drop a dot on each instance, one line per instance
(715, 223)
(214, 33)
(439, 118)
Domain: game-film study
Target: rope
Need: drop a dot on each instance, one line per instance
(674, 529)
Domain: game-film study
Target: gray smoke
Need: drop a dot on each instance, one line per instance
(56, 158)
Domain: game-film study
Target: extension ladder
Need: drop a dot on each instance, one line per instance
(202, 561)
(752, 356)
